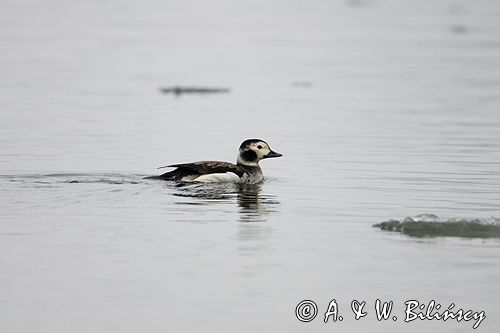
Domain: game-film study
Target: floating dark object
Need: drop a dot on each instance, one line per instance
(459, 29)
(193, 90)
(430, 225)
(302, 84)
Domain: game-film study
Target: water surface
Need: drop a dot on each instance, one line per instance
(382, 109)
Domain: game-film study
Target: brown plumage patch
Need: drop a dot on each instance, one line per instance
(201, 168)
(249, 155)
(248, 142)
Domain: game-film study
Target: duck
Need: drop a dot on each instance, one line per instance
(246, 170)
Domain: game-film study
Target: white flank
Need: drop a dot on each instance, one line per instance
(227, 177)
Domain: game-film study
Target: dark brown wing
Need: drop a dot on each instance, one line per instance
(206, 167)
(200, 168)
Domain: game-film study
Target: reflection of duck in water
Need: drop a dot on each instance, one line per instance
(246, 170)
(249, 197)
(253, 205)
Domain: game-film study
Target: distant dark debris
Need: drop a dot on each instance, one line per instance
(459, 29)
(355, 3)
(302, 84)
(177, 90)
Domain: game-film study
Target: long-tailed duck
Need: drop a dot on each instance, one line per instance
(246, 170)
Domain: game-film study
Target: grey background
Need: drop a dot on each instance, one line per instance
(382, 109)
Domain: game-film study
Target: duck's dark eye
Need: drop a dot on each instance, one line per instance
(259, 147)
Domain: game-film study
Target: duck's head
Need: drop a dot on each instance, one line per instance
(253, 150)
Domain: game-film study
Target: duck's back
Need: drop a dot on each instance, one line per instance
(204, 171)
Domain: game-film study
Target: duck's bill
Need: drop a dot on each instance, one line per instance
(272, 154)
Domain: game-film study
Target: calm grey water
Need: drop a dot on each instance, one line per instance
(382, 109)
